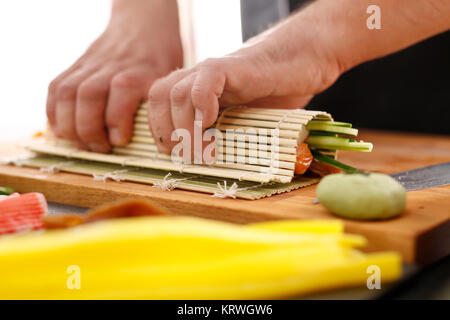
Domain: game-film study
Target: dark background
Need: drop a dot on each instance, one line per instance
(407, 91)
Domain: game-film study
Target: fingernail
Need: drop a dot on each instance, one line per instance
(99, 147)
(198, 115)
(116, 138)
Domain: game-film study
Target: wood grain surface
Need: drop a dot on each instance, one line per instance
(421, 234)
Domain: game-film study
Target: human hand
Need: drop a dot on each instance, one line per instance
(270, 71)
(92, 103)
(291, 62)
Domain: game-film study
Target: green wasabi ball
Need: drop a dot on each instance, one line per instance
(362, 196)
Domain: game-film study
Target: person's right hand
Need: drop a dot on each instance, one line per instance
(92, 103)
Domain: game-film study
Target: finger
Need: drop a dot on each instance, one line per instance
(159, 111)
(52, 95)
(183, 115)
(206, 91)
(66, 104)
(245, 80)
(90, 110)
(128, 89)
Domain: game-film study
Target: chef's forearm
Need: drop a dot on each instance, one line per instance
(145, 10)
(403, 23)
(337, 29)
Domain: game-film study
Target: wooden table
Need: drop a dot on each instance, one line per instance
(421, 234)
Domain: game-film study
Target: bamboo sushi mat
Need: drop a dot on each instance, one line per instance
(216, 186)
(250, 177)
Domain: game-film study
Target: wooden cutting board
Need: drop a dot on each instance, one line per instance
(421, 234)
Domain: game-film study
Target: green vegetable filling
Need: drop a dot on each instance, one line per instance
(330, 136)
(332, 162)
(5, 191)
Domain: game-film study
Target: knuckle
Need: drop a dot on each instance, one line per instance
(53, 86)
(126, 80)
(197, 92)
(67, 90)
(179, 93)
(216, 64)
(89, 90)
(157, 92)
(210, 62)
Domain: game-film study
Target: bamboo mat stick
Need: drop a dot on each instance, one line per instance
(292, 112)
(288, 114)
(141, 113)
(141, 127)
(282, 142)
(262, 149)
(142, 133)
(258, 167)
(255, 163)
(261, 131)
(146, 140)
(277, 111)
(244, 112)
(142, 153)
(141, 116)
(223, 127)
(254, 153)
(255, 168)
(142, 146)
(258, 147)
(232, 173)
(269, 123)
(257, 116)
(263, 124)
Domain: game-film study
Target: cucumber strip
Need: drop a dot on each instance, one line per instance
(320, 126)
(332, 162)
(327, 141)
(333, 123)
(5, 191)
(321, 133)
(361, 146)
(338, 143)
